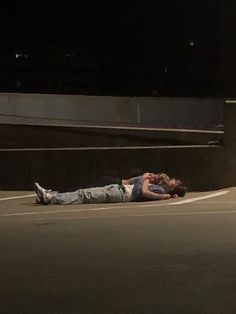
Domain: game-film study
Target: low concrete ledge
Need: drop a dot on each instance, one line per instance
(74, 156)
(66, 169)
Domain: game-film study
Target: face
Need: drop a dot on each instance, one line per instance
(154, 178)
(173, 183)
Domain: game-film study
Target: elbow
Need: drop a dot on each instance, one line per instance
(144, 191)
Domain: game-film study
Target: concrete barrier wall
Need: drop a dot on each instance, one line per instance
(202, 167)
(70, 169)
(77, 109)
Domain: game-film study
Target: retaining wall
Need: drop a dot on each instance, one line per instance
(199, 165)
(105, 110)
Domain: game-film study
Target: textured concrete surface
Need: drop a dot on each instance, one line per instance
(64, 155)
(77, 109)
(174, 256)
(43, 136)
(200, 167)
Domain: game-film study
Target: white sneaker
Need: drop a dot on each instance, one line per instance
(43, 196)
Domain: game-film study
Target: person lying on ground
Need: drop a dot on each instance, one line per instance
(146, 188)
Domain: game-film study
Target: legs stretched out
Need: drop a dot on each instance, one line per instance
(112, 193)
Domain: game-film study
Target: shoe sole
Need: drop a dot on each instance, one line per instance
(40, 198)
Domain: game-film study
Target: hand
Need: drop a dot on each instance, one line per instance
(166, 196)
(148, 175)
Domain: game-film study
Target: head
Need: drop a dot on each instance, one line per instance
(158, 178)
(153, 178)
(172, 186)
(177, 188)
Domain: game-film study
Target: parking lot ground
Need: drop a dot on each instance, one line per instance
(175, 256)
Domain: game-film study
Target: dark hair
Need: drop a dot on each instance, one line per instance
(179, 190)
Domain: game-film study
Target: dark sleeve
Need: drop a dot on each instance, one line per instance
(136, 192)
(132, 180)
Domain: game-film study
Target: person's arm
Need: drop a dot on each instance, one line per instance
(129, 181)
(134, 179)
(152, 195)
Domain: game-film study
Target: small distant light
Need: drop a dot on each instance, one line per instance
(19, 55)
(69, 55)
(191, 43)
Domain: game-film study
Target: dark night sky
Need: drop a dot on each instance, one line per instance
(163, 48)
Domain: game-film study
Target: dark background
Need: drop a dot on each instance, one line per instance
(118, 47)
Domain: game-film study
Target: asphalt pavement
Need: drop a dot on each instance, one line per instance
(175, 256)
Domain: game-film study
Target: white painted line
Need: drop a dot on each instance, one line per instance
(135, 205)
(230, 101)
(16, 197)
(194, 199)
